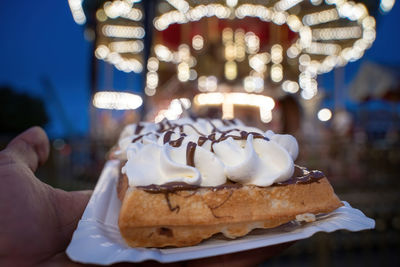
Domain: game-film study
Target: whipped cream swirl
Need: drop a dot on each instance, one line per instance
(205, 153)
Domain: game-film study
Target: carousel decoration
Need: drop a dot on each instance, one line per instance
(233, 52)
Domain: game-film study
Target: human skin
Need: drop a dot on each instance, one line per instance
(37, 221)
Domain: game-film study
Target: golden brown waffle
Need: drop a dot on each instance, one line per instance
(186, 217)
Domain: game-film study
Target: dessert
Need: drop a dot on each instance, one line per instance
(183, 181)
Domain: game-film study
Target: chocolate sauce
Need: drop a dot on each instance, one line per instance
(161, 127)
(191, 126)
(177, 142)
(140, 137)
(168, 187)
(201, 140)
(302, 176)
(167, 136)
(139, 128)
(176, 208)
(190, 149)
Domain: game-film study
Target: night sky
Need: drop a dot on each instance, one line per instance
(40, 39)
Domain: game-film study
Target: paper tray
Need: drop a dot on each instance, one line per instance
(97, 239)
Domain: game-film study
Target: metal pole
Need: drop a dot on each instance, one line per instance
(149, 14)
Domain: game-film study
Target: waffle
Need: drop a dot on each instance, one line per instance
(177, 215)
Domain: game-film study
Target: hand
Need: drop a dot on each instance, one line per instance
(36, 220)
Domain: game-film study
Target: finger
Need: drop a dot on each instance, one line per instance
(31, 147)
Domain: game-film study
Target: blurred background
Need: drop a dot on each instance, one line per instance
(327, 72)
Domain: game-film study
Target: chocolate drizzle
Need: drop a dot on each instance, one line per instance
(176, 208)
(190, 149)
(168, 187)
(140, 137)
(177, 142)
(302, 176)
(191, 146)
(167, 136)
(139, 128)
(219, 205)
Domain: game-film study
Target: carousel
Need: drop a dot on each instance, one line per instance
(232, 58)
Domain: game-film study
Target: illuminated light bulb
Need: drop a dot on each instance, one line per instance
(323, 49)
(198, 42)
(101, 15)
(306, 36)
(116, 100)
(152, 79)
(227, 35)
(211, 83)
(369, 22)
(119, 31)
(160, 116)
(77, 11)
(227, 110)
(321, 17)
(209, 99)
(290, 87)
(294, 23)
(293, 51)
(369, 35)
(230, 70)
(192, 75)
(386, 5)
(276, 54)
(304, 60)
(240, 52)
(316, 2)
(222, 12)
(183, 72)
(258, 62)
(149, 91)
(240, 36)
(181, 5)
(248, 84)
(127, 46)
(283, 5)
(265, 115)
(338, 33)
(228, 100)
(230, 51)
(101, 52)
(163, 53)
(324, 114)
(279, 18)
(201, 83)
(253, 84)
(252, 43)
(134, 14)
(307, 95)
(276, 72)
(116, 8)
(153, 64)
(231, 3)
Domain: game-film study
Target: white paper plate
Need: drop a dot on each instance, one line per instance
(97, 239)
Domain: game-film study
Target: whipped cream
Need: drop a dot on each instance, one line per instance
(205, 152)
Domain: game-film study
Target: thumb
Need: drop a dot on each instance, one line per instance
(69, 207)
(30, 147)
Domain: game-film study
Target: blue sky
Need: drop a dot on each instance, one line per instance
(40, 38)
